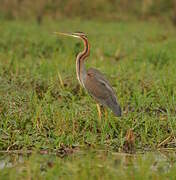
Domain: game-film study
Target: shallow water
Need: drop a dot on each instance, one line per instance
(92, 163)
(166, 157)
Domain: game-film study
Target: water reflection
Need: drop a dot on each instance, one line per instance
(160, 161)
(7, 161)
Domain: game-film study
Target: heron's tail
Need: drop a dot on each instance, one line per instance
(114, 106)
(117, 110)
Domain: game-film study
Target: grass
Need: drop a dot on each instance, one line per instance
(43, 107)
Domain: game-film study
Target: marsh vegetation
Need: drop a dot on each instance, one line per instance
(43, 108)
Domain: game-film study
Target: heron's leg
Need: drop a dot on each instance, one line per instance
(99, 111)
(106, 113)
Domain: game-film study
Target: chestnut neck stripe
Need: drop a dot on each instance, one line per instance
(84, 54)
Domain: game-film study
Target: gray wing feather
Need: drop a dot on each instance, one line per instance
(98, 86)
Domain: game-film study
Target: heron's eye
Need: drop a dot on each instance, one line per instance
(90, 74)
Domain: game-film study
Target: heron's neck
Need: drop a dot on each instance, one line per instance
(80, 67)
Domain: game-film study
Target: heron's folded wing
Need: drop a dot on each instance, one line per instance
(98, 86)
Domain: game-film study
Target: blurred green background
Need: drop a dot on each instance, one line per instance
(89, 9)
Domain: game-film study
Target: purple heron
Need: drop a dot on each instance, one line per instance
(93, 80)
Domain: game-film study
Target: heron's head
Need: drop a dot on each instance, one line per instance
(75, 34)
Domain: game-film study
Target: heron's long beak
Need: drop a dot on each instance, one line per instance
(66, 34)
